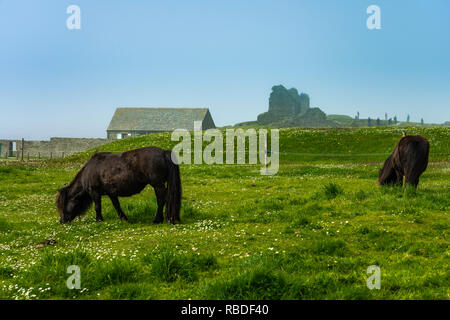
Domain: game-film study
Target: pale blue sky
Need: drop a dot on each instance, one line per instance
(224, 55)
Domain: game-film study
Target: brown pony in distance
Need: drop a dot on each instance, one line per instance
(409, 159)
(123, 175)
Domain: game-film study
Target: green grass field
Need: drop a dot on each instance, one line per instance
(308, 232)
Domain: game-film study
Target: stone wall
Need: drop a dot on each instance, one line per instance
(5, 148)
(55, 147)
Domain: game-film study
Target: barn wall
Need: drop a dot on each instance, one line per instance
(112, 134)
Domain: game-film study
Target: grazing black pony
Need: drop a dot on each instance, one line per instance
(122, 175)
(409, 159)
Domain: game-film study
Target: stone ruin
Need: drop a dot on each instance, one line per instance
(284, 104)
(288, 108)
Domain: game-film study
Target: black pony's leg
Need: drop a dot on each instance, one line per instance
(399, 180)
(98, 207)
(161, 197)
(412, 178)
(116, 204)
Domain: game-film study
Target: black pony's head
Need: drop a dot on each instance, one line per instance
(387, 174)
(72, 203)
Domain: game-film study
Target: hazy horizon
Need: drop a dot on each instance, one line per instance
(224, 56)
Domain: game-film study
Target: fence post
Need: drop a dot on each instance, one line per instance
(28, 156)
(265, 155)
(39, 156)
(21, 158)
(51, 155)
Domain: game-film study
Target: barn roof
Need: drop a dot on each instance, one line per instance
(157, 119)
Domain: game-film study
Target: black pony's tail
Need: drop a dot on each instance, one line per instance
(173, 189)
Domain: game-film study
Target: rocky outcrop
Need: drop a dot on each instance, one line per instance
(313, 117)
(288, 108)
(283, 104)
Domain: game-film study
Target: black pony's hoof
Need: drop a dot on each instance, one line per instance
(157, 221)
(123, 218)
(99, 219)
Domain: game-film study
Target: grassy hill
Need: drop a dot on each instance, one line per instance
(343, 119)
(308, 232)
(319, 144)
(347, 121)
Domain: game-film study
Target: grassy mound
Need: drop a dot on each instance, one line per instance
(338, 144)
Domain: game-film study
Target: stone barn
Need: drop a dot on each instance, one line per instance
(132, 122)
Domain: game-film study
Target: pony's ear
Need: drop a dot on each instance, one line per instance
(63, 191)
(95, 153)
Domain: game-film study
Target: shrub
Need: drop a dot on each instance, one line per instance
(117, 271)
(332, 190)
(169, 266)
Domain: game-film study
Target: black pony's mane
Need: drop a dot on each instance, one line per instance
(95, 155)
